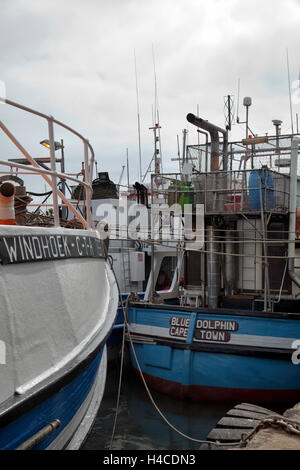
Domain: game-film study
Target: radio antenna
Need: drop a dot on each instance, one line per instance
(138, 118)
(289, 80)
(238, 102)
(156, 126)
(127, 162)
(156, 117)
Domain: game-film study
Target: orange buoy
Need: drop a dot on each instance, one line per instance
(7, 204)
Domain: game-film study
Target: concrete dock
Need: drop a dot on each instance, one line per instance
(251, 427)
(284, 436)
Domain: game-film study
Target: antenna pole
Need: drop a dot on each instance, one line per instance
(184, 132)
(127, 168)
(238, 102)
(178, 153)
(197, 129)
(138, 118)
(155, 86)
(289, 80)
(229, 112)
(156, 126)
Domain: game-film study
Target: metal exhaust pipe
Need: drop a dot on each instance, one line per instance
(213, 269)
(214, 135)
(231, 263)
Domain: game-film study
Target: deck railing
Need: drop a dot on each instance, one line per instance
(224, 192)
(51, 175)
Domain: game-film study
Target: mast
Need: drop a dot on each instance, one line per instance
(157, 155)
(178, 153)
(156, 125)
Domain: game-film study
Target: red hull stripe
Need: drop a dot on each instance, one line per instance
(199, 393)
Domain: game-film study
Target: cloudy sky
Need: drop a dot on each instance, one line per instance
(74, 59)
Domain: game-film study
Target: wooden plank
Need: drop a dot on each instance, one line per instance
(241, 423)
(227, 435)
(237, 423)
(245, 414)
(257, 409)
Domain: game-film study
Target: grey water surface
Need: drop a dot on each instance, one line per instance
(139, 425)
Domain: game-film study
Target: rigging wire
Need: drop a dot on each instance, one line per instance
(138, 118)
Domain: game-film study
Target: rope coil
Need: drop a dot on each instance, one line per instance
(275, 422)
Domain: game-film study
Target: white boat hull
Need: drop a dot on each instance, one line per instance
(58, 305)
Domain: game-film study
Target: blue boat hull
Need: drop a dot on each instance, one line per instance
(66, 401)
(217, 356)
(114, 342)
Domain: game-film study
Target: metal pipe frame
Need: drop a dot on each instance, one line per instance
(52, 182)
(292, 211)
(53, 168)
(214, 131)
(35, 168)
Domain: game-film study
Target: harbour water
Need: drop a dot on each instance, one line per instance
(139, 425)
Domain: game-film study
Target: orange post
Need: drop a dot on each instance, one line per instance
(7, 204)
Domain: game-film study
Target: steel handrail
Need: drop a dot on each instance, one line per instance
(88, 223)
(46, 172)
(45, 116)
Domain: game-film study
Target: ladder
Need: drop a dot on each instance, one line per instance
(126, 270)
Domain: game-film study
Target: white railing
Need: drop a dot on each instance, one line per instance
(50, 176)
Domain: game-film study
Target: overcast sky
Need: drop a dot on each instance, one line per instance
(74, 59)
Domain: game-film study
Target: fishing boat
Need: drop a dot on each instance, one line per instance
(59, 301)
(230, 331)
(126, 256)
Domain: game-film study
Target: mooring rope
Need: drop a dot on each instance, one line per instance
(200, 441)
(119, 388)
(276, 422)
(109, 259)
(193, 439)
